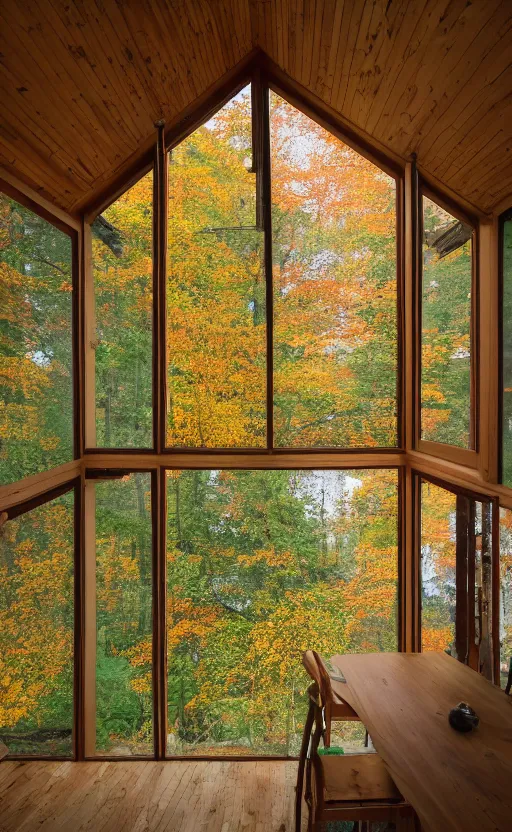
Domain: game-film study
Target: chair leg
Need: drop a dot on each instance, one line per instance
(315, 741)
(306, 737)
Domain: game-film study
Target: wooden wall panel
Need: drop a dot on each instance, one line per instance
(83, 81)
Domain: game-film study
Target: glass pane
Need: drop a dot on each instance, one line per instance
(262, 565)
(446, 328)
(335, 289)
(122, 239)
(124, 697)
(36, 630)
(505, 598)
(216, 330)
(507, 353)
(438, 562)
(36, 412)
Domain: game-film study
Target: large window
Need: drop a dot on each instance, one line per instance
(446, 345)
(36, 630)
(216, 322)
(124, 624)
(262, 565)
(36, 286)
(242, 311)
(333, 282)
(438, 567)
(457, 551)
(123, 274)
(334, 288)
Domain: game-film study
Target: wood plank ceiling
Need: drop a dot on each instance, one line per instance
(83, 81)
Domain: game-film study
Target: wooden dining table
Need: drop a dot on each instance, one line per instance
(455, 782)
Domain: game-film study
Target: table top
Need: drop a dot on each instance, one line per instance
(454, 781)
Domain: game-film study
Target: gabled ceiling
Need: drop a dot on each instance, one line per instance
(83, 81)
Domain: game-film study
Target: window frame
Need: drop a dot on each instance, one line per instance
(415, 459)
(465, 571)
(88, 643)
(18, 510)
(76, 310)
(506, 216)
(464, 456)
(262, 84)
(304, 465)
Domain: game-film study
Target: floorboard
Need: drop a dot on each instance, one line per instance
(189, 796)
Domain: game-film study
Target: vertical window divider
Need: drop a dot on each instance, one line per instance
(417, 254)
(88, 554)
(79, 622)
(158, 515)
(78, 340)
(160, 220)
(160, 202)
(495, 591)
(471, 583)
(88, 337)
(262, 122)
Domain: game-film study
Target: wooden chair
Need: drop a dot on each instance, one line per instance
(335, 709)
(324, 708)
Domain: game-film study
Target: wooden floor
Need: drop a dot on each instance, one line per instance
(147, 796)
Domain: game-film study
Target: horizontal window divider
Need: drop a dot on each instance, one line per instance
(457, 475)
(28, 488)
(120, 451)
(235, 460)
(460, 456)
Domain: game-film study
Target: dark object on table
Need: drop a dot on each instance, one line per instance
(463, 718)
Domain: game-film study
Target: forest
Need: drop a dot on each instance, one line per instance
(261, 564)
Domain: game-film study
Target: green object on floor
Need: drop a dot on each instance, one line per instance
(333, 749)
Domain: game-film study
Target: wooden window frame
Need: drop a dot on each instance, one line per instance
(305, 466)
(72, 231)
(18, 510)
(88, 652)
(466, 500)
(263, 82)
(506, 216)
(454, 469)
(462, 456)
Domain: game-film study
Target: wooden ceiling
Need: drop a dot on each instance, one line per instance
(83, 81)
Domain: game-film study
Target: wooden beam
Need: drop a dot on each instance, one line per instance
(490, 359)
(30, 487)
(458, 475)
(234, 460)
(69, 219)
(89, 699)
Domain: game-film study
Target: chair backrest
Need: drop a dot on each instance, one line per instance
(509, 680)
(316, 668)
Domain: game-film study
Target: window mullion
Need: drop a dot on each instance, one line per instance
(262, 114)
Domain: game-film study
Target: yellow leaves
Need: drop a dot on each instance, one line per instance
(49, 443)
(36, 639)
(268, 556)
(437, 639)
(142, 684)
(429, 392)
